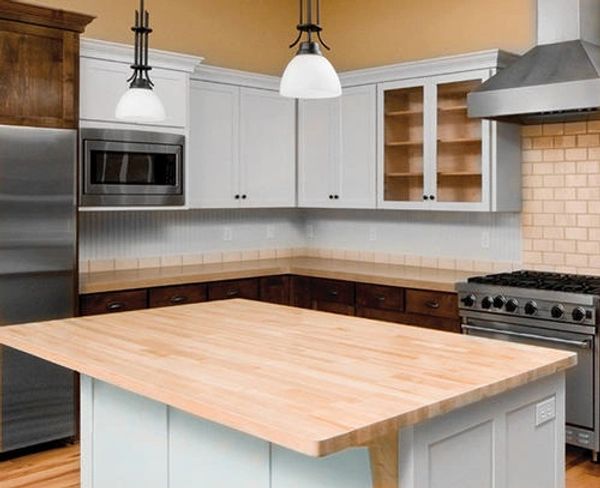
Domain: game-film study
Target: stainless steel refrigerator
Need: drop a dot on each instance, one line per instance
(38, 277)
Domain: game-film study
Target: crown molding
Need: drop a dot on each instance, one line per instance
(490, 59)
(123, 53)
(229, 76)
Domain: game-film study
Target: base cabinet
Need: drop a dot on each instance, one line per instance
(423, 308)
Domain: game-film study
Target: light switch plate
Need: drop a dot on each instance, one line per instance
(485, 239)
(545, 411)
(372, 233)
(227, 233)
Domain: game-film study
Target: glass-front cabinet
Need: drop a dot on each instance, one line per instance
(433, 156)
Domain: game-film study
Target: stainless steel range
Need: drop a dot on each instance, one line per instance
(549, 310)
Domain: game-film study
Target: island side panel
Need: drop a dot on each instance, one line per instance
(128, 440)
(124, 438)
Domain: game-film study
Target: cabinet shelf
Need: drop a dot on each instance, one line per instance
(454, 174)
(404, 143)
(404, 175)
(458, 108)
(403, 113)
(466, 140)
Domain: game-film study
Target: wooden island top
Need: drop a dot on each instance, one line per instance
(313, 382)
(365, 272)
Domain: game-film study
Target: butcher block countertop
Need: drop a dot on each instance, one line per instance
(365, 272)
(313, 382)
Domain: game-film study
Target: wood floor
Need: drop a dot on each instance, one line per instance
(60, 469)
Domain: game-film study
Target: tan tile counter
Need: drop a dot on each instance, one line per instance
(375, 273)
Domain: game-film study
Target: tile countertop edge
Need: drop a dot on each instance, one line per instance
(371, 273)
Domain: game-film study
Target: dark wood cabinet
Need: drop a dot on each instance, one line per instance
(177, 295)
(423, 308)
(300, 292)
(118, 301)
(39, 59)
(223, 290)
(275, 289)
(432, 303)
(380, 297)
(332, 296)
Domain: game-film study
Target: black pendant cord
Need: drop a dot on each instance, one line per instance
(308, 26)
(140, 77)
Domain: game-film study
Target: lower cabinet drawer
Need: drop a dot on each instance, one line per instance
(176, 295)
(223, 290)
(333, 291)
(380, 297)
(438, 323)
(275, 289)
(300, 292)
(120, 301)
(433, 303)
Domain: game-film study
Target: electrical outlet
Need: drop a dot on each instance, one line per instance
(372, 233)
(485, 239)
(270, 232)
(545, 411)
(227, 234)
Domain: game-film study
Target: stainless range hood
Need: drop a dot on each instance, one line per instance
(559, 79)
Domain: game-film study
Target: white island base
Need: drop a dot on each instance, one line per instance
(129, 441)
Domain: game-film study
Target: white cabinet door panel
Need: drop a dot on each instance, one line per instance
(319, 146)
(213, 166)
(267, 149)
(104, 82)
(357, 169)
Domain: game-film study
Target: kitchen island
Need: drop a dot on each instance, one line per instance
(245, 394)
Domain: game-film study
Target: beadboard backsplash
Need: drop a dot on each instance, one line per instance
(460, 236)
(455, 235)
(110, 235)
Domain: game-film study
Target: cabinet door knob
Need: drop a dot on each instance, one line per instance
(114, 306)
(433, 304)
(244, 197)
(432, 197)
(425, 197)
(237, 197)
(233, 293)
(336, 197)
(330, 197)
(178, 299)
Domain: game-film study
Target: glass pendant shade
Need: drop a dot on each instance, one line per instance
(310, 76)
(140, 105)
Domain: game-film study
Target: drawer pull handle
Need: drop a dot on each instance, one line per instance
(381, 298)
(433, 304)
(114, 306)
(233, 293)
(178, 299)
(333, 293)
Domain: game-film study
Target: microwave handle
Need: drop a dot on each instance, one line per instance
(586, 344)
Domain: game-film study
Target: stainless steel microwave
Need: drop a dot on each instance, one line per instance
(131, 168)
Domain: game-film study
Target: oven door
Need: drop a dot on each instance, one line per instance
(129, 173)
(580, 385)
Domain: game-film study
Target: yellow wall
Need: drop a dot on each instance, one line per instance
(367, 33)
(254, 34)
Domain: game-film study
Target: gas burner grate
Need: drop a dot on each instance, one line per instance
(538, 280)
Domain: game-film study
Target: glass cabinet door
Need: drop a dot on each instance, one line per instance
(459, 145)
(403, 144)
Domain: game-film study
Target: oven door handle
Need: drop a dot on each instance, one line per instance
(586, 344)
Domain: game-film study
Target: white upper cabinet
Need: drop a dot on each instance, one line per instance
(242, 148)
(267, 149)
(105, 68)
(213, 166)
(337, 150)
(432, 156)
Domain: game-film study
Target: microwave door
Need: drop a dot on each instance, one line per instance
(124, 168)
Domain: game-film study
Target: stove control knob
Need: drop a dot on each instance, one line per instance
(578, 314)
(531, 308)
(499, 301)
(469, 300)
(512, 305)
(487, 303)
(557, 311)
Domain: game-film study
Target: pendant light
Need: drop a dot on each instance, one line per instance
(309, 74)
(139, 103)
